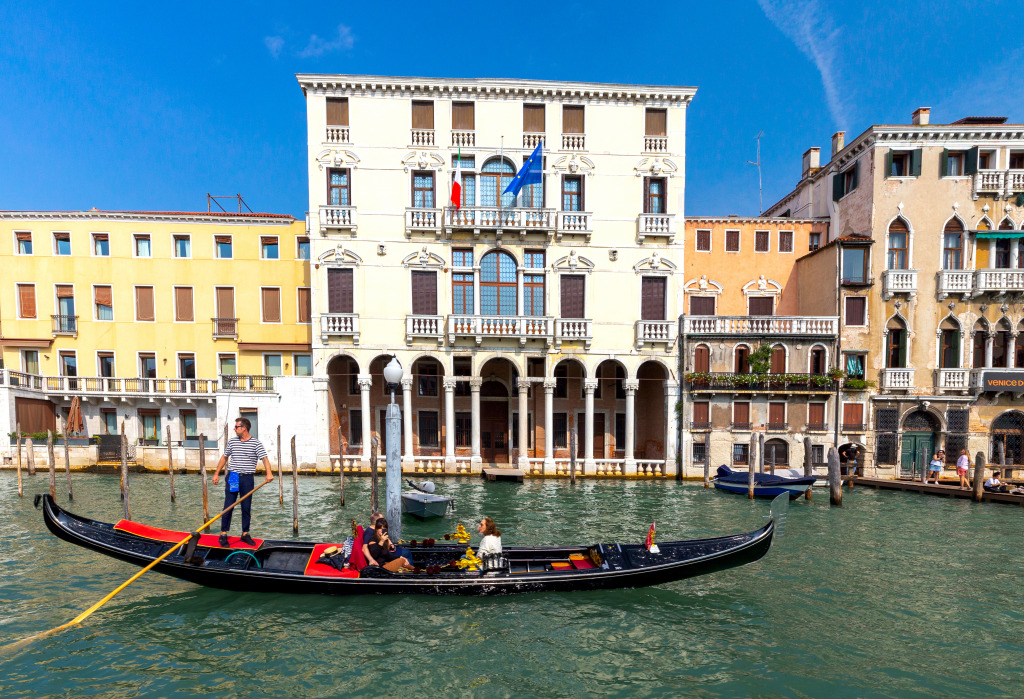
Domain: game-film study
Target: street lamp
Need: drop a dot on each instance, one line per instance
(393, 426)
(393, 375)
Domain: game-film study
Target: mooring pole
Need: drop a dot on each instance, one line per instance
(202, 474)
(772, 466)
(751, 466)
(835, 484)
(50, 464)
(170, 458)
(280, 481)
(707, 461)
(67, 461)
(808, 468)
(295, 489)
(373, 475)
(924, 465)
(760, 453)
(572, 456)
(124, 474)
(21, 487)
(341, 466)
(1002, 459)
(30, 454)
(979, 475)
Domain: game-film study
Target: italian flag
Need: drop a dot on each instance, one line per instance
(457, 184)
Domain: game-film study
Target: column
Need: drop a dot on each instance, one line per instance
(365, 382)
(989, 338)
(671, 426)
(1014, 255)
(1011, 352)
(407, 457)
(549, 426)
(524, 434)
(629, 468)
(476, 290)
(521, 308)
(322, 397)
(449, 423)
(474, 387)
(589, 386)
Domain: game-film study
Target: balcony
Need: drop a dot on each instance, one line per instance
(462, 138)
(494, 218)
(65, 325)
(792, 326)
(532, 140)
(337, 134)
(573, 223)
(728, 382)
(700, 426)
(124, 388)
(573, 141)
(19, 379)
(899, 281)
(422, 221)
(817, 427)
(573, 330)
(777, 427)
(955, 281)
(998, 280)
(338, 217)
(853, 427)
(247, 384)
(659, 225)
(1001, 183)
(898, 379)
(422, 138)
(339, 324)
(655, 144)
(225, 328)
(655, 332)
(741, 425)
(521, 328)
(428, 327)
(952, 379)
(996, 379)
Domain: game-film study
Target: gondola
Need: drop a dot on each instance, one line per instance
(293, 567)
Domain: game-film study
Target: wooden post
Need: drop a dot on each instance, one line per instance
(341, 466)
(1002, 458)
(67, 461)
(170, 458)
(572, 456)
(751, 466)
(295, 489)
(51, 464)
(124, 474)
(760, 453)
(707, 461)
(924, 465)
(835, 484)
(21, 488)
(280, 481)
(979, 475)
(30, 454)
(772, 468)
(202, 474)
(808, 468)
(373, 475)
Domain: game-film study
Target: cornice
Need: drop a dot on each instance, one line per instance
(493, 88)
(766, 220)
(171, 216)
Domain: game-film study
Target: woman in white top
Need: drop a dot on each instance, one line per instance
(490, 545)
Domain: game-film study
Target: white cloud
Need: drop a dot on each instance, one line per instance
(274, 44)
(318, 46)
(805, 23)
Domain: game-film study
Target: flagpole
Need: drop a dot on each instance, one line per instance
(501, 161)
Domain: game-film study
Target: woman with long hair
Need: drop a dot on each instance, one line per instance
(491, 543)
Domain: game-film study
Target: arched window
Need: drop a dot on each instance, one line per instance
(1008, 437)
(953, 244)
(780, 450)
(494, 177)
(498, 284)
(702, 359)
(984, 225)
(778, 360)
(818, 359)
(742, 365)
(978, 344)
(1001, 345)
(896, 347)
(899, 234)
(949, 344)
(1006, 224)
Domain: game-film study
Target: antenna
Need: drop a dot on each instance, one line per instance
(760, 191)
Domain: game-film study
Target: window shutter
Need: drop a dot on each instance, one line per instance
(655, 122)
(856, 176)
(837, 186)
(424, 293)
(741, 412)
(27, 300)
(816, 413)
(853, 414)
(65, 291)
(305, 304)
(533, 118)
(183, 304)
(652, 298)
(903, 348)
(778, 362)
(888, 163)
(339, 291)
(854, 310)
(776, 413)
(704, 241)
(944, 162)
(915, 162)
(732, 241)
(101, 236)
(271, 305)
(701, 412)
(423, 115)
(571, 287)
(702, 305)
(23, 237)
(225, 302)
(702, 359)
(572, 119)
(337, 111)
(462, 116)
(760, 306)
(222, 239)
(144, 303)
(971, 162)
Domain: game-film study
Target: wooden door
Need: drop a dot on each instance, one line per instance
(599, 436)
(911, 459)
(494, 431)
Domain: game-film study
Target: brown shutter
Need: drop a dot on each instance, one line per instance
(776, 413)
(703, 241)
(816, 414)
(571, 288)
(305, 305)
(741, 412)
(855, 310)
(271, 305)
(732, 241)
(100, 236)
(702, 359)
(533, 118)
(337, 111)
(778, 363)
(572, 119)
(183, 304)
(339, 291)
(225, 302)
(144, 303)
(702, 305)
(24, 236)
(35, 415)
(462, 116)
(652, 298)
(701, 412)
(424, 293)
(655, 122)
(898, 226)
(853, 414)
(104, 296)
(65, 291)
(760, 306)
(222, 239)
(423, 115)
(785, 241)
(27, 300)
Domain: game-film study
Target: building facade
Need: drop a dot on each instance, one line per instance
(520, 321)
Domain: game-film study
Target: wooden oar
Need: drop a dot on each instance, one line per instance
(11, 647)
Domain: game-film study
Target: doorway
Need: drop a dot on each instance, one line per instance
(494, 431)
(917, 451)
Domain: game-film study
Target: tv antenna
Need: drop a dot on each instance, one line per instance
(760, 191)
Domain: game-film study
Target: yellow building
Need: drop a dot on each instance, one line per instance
(152, 318)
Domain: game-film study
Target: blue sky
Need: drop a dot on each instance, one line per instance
(143, 107)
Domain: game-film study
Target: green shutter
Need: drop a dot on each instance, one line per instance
(956, 349)
(903, 349)
(888, 163)
(915, 162)
(837, 186)
(944, 163)
(971, 164)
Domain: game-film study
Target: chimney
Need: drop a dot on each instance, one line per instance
(838, 141)
(811, 162)
(920, 117)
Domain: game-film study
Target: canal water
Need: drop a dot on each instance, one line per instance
(894, 594)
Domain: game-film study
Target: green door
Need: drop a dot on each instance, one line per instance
(911, 461)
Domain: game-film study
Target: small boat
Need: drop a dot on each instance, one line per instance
(422, 503)
(295, 567)
(785, 482)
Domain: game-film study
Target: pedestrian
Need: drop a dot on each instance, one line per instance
(963, 464)
(935, 467)
(241, 455)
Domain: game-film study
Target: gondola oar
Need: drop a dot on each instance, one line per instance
(11, 647)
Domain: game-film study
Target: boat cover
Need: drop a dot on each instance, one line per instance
(172, 537)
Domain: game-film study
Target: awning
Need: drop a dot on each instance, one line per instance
(998, 234)
(25, 342)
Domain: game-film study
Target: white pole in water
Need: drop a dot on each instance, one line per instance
(393, 477)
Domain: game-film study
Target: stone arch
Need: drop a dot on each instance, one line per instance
(343, 400)
(949, 343)
(652, 378)
(899, 257)
(781, 452)
(1007, 437)
(1007, 224)
(824, 359)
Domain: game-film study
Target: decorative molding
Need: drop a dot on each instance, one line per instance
(656, 166)
(702, 286)
(655, 263)
(423, 258)
(172, 216)
(762, 287)
(574, 164)
(340, 256)
(337, 157)
(423, 160)
(573, 262)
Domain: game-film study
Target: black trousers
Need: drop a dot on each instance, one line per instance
(246, 482)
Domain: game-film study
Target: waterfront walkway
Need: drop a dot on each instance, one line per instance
(953, 491)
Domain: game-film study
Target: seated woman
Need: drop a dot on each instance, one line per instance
(490, 545)
(381, 552)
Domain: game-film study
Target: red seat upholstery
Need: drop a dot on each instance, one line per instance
(324, 570)
(173, 537)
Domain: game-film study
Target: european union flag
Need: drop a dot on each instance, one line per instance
(529, 173)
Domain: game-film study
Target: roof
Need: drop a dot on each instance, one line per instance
(195, 216)
(856, 239)
(980, 120)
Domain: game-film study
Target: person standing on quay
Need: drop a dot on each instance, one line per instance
(241, 454)
(962, 465)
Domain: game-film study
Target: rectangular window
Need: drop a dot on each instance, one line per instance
(337, 111)
(572, 119)
(463, 117)
(109, 418)
(101, 244)
(222, 244)
(855, 265)
(463, 429)
(227, 364)
(338, 188)
(732, 241)
(252, 414)
(785, 241)
(302, 364)
(533, 284)
(189, 424)
(144, 304)
(66, 307)
(302, 248)
(270, 303)
(269, 249)
(813, 241)
(856, 310)
(853, 417)
(761, 241)
(143, 245)
(104, 299)
(571, 287)
(760, 306)
(560, 428)
(741, 415)
(224, 298)
(186, 365)
(355, 427)
(423, 190)
(68, 363)
(427, 379)
(23, 241)
(147, 365)
(700, 452)
(702, 305)
(182, 246)
(855, 365)
(515, 431)
(305, 308)
(424, 293)
(428, 432)
(777, 415)
(462, 282)
(572, 193)
(423, 115)
(26, 300)
(272, 365)
(816, 416)
(703, 241)
(652, 298)
(655, 122)
(620, 431)
(533, 118)
(954, 164)
(339, 290)
(150, 420)
(904, 163)
(62, 244)
(701, 415)
(740, 454)
(655, 195)
(183, 310)
(30, 361)
(105, 364)
(817, 453)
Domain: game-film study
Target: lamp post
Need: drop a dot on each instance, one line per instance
(393, 426)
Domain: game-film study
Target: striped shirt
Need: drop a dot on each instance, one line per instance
(243, 456)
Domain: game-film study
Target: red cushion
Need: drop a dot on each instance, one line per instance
(357, 560)
(173, 537)
(324, 570)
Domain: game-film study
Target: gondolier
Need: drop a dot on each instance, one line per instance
(241, 455)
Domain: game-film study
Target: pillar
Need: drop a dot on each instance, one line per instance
(519, 292)
(549, 426)
(449, 423)
(989, 341)
(365, 382)
(322, 398)
(1011, 351)
(407, 457)
(629, 468)
(589, 386)
(476, 290)
(671, 426)
(474, 387)
(524, 434)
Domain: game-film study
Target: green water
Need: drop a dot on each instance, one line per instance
(894, 594)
